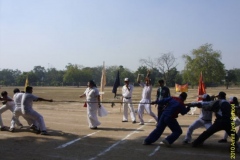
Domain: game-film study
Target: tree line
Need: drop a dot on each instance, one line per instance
(203, 59)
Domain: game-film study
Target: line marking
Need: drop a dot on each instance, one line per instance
(155, 150)
(118, 142)
(71, 142)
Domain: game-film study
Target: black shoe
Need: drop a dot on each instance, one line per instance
(196, 145)
(145, 143)
(37, 131)
(4, 128)
(44, 133)
(134, 122)
(124, 121)
(222, 141)
(185, 142)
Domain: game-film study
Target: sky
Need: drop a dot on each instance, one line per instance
(54, 33)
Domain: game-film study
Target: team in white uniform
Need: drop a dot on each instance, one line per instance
(8, 105)
(17, 98)
(29, 112)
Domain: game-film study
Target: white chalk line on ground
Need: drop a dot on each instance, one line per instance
(7, 135)
(118, 142)
(155, 150)
(71, 142)
(69, 124)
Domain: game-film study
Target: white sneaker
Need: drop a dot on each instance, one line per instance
(141, 123)
(166, 143)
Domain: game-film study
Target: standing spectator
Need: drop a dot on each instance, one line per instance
(29, 112)
(222, 110)
(162, 92)
(93, 103)
(174, 106)
(146, 99)
(8, 104)
(205, 119)
(127, 90)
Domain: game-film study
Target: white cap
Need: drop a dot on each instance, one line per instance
(126, 79)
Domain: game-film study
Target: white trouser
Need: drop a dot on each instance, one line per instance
(92, 110)
(237, 123)
(35, 116)
(11, 108)
(197, 124)
(17, 113)
(145, 105)
(127, 103)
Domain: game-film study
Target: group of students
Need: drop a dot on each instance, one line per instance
(170, 107)
(21, 105)
(226, 112)
(145, 102)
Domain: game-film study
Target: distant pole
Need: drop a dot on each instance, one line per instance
(226, 79)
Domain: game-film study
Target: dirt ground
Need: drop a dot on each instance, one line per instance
(71, 139)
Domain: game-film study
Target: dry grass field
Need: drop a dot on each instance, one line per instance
(71, 139)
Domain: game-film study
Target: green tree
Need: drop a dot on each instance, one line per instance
(33, 80)
(164, 64)
(111, 74)
(54, 77)
(205, 60)
(72, 76)
(40, 74)
(126, 73)
(9, 76)
(154, 74)
(21, 79)
(87, 74)
(234, 76)
(174, 77)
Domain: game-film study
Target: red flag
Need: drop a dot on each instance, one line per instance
(201, 87)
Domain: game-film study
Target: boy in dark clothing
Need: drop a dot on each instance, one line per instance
(162, 92)
(222, 110)
(174, 106)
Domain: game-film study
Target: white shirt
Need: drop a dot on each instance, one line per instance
(92, 94)
(147, 90)
(126, 92)
(27, 100)
(17, 98)
(10, 103)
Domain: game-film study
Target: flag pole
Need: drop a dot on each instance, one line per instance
(26, 83)
(103, 81)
